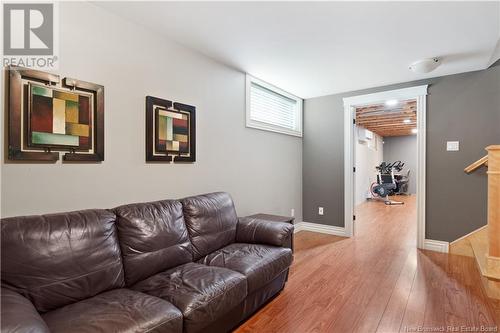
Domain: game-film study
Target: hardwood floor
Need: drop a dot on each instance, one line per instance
(377, 281)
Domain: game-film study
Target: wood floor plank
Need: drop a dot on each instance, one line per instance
(370, 299)
(395, 309)
(371, 315)
(375, 281)
(434, 310)
(417, 300)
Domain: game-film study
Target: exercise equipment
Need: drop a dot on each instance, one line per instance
(402, 183)
(386, 184)
(402, 180)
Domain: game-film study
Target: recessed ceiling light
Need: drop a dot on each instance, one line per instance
(414, 130)
(391, 102)
(407, 121)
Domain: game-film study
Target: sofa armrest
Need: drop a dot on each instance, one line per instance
(19, 315)
(253, 230)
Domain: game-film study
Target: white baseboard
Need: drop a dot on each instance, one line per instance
(321, 228)
(435, 245)
(429, 244)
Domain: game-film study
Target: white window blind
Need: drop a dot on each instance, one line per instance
(272, 109)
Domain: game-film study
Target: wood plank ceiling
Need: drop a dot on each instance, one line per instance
(384, 120)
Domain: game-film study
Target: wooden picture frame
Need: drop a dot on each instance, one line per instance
(181, 145)
(19, 107)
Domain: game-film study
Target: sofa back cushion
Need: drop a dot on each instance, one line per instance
(153, 238)
(58, 259)
(211, 222)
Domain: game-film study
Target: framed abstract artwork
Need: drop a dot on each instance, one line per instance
(58, 118)
(47, 116)
(170, 131)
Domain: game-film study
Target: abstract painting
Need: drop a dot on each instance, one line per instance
(48, 115)
(170, 131)
(59, 118)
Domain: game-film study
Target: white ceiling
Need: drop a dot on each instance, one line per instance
(318, 48)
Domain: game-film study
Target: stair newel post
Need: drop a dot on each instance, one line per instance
(494, 200)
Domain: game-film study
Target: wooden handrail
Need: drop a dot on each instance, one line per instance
(492, 257)
(476, 165)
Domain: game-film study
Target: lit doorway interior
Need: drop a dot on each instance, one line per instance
(385, 156)
(418, 94)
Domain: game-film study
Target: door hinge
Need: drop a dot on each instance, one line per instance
(354, 217)
(354, 121)
(353, 169)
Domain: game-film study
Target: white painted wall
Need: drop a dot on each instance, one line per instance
(262, 170)
(367, 157)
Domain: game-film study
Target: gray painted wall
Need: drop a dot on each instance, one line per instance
(404, 149)
(262, 170)
(463, 107)
(323, 161)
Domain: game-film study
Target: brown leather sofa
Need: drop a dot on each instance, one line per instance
(187, 265)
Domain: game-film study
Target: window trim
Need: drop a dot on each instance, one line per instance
(251, 123)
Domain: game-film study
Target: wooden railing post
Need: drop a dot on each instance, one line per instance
(494, 200)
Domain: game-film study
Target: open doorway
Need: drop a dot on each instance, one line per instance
(385, 149)
(414, 97)
(385, 158)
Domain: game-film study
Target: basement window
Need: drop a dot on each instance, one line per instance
(272, 109)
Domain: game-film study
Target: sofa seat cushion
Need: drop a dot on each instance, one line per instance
(119, 310)
(259, 263)
(202, 293)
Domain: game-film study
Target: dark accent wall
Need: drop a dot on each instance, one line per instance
(463, 107)
(403, 148)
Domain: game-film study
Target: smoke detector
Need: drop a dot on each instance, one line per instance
(425, 65)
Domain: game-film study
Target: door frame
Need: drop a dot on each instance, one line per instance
(419, 93)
